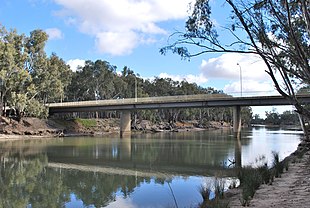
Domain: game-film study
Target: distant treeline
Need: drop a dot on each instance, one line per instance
(275, 118)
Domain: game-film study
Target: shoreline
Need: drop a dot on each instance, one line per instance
(292, 189)
(16, 137)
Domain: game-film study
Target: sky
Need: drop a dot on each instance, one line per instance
(130, 33)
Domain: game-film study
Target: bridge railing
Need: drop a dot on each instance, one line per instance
(162, 99)
(141, 100)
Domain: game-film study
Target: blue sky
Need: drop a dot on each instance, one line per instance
(130, 33)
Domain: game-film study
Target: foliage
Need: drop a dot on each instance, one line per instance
(93, 82)
(36, 109)
(272, 117)
(27, 75)
(277, 31)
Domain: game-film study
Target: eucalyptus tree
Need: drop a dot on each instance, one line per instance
(94, 81)
(28, 77)
(277, 31)
(131, 80)
(16, 86)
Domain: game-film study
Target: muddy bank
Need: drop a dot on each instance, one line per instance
(34, 127)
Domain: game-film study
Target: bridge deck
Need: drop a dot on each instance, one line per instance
(184, 101)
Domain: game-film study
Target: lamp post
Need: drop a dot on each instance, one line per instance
(240, 79)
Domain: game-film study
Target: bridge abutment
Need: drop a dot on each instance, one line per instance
(237, 120)
(125, 123)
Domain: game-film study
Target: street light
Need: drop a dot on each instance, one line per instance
(240, 79)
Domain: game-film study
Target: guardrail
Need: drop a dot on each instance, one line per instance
(142, 100)
(200, 100)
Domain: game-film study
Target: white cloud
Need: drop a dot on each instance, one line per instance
(54, 33)
(199, 80)
(130, 21)
(116, 43)
(75, 64)
(225, 67)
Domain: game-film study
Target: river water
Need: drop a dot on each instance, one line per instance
(146, 170)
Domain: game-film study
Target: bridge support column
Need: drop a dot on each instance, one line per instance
(237, 121)
(238, 151)
(125, 123)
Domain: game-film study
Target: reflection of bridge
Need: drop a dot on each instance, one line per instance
(184, 101)
(232, 172)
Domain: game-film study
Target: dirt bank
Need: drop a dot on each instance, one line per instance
(34, 127)
(55, 127)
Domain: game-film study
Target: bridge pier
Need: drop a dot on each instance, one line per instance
(238, 153)
(125, 123)
(237, 121)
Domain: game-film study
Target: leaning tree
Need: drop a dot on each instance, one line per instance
(278, 31)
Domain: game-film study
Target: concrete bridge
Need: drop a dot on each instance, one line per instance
(184, 101)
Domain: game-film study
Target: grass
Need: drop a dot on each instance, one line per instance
(87, 123)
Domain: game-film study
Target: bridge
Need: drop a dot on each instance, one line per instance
(183, 101)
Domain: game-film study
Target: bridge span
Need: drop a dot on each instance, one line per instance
(183, 101)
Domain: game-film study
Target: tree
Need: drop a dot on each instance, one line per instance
(277, 31)
(272, 117)
(28, 78)
(95, 81)
(289, 118)
(16, 86)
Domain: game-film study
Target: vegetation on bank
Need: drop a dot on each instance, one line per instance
(250, 178)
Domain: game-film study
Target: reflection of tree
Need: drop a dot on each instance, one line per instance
(50, 190)
(98, 189)
(25, 181)
(29, 181)
(17, 181)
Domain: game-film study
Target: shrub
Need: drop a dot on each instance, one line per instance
(250, 180)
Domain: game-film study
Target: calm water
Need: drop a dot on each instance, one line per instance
(146, 170)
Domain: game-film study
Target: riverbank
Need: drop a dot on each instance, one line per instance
(292, 189)
(29, 128)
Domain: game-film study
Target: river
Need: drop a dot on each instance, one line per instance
(146, 170)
